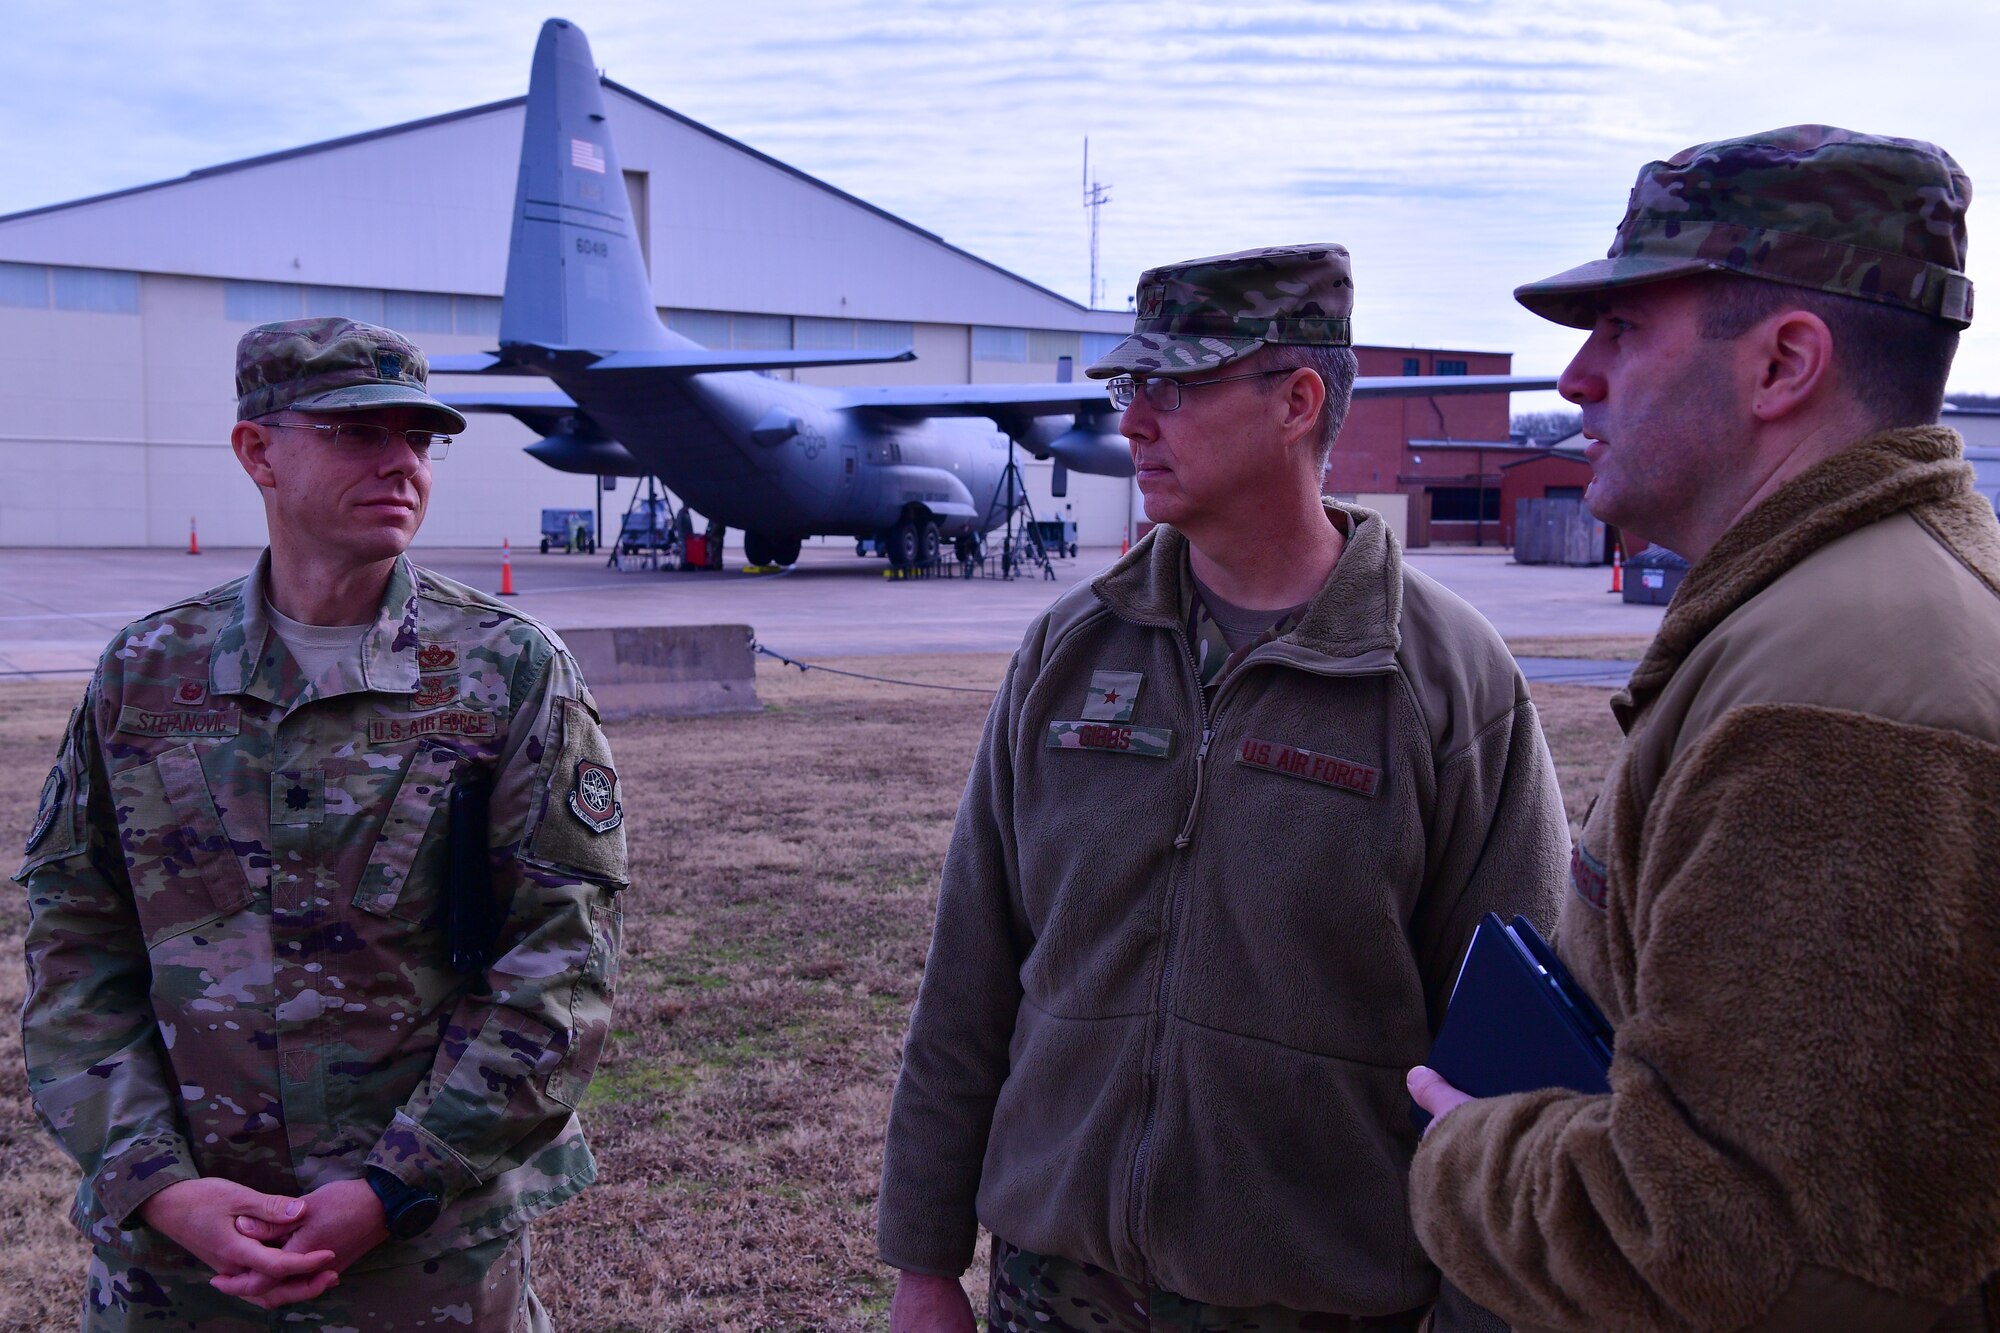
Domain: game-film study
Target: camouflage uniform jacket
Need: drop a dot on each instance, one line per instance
(1188, 943)
(236, 960)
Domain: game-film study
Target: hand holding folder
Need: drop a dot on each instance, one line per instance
(1518, 1020)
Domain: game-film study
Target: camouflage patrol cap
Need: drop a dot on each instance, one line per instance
(332, 364)
(1204, 313)
(1858, 215)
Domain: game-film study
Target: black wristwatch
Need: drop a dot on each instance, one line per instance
(407, 1210)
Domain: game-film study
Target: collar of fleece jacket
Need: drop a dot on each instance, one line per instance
(1359, 611)
(1921, 468)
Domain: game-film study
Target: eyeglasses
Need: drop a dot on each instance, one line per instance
(360, 437)
(1164, 395)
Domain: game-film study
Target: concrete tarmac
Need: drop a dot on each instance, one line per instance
(59, 607)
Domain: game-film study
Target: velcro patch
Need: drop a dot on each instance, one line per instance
(45, 813)
(1589, 877)
(446, 722)
(437, 656)
(1115, 737)
(192, 692)
(564, 834)
(434, 691)
(1325, 769)
(179, 721)
(1112, 696)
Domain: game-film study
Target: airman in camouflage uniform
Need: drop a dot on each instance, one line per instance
(241, 957)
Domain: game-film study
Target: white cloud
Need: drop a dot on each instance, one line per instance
(1456, 148)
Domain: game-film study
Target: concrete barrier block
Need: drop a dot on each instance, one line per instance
(667, 670)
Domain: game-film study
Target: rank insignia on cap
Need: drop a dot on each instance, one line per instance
(434, 656)
(52, 792)
(389, 366)
(191, 693)
(1112, 695)
(594, 798)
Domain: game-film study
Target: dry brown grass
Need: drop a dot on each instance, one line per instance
(783, 866)
(1593, 647)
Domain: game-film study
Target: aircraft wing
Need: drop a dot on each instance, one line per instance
(667, 360)
(1032, 400)
(544, 411)
(979, 400)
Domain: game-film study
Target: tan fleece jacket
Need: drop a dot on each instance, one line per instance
(1169, 1000)
(1787, 901)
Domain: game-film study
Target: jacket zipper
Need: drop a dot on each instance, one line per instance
(1181, 841)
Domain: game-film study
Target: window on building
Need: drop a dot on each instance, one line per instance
(101, 291)
(1097, 346)
(417, 312)
(703, 326)
(24, 286)
(476, 314)
(883, 335)
(1450, 367)
(362, 303)
(1465, 504)
(760, 333)
(823, 335)
(990, 344)
(260, 302)
(1046, 346)
(1413, 365)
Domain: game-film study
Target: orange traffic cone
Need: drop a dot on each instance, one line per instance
(506, 568)
(1618, 567)
(194, 542)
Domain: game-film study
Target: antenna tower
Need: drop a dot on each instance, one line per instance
(1094, 199)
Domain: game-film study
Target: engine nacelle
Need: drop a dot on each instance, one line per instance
(589, 455)
(1085, 447)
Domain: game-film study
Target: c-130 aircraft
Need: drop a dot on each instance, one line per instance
(912, 467)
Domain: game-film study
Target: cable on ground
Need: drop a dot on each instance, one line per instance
(857, 675)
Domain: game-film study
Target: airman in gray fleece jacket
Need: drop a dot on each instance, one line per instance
(1194, 922)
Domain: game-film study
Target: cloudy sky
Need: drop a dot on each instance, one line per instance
(1457, 148)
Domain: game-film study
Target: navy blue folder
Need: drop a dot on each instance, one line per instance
(1518, 1020)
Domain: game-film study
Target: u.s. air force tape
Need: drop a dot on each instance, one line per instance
(1328, 770)
(1112, 738)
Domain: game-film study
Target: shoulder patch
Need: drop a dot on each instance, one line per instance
(594, 797)
(45, 812)
(579, 828)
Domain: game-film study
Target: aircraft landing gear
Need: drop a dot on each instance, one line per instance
(929, 545)
(716, 532)
(971, 551)
(903, 544)
(761, 549)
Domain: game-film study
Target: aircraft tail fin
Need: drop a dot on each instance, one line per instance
(576, 276)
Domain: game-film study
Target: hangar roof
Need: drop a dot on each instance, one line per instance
(427, 206)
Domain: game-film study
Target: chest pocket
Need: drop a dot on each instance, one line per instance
(184, 869)
(405, 874)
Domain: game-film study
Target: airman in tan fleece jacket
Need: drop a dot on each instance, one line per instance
(1787, 899)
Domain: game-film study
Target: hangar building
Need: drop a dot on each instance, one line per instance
(119, 315)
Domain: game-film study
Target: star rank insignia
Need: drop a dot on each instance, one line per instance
(594, 798)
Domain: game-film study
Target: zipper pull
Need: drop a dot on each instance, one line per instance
(1186, 835)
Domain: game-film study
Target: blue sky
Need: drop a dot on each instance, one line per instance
(1456, 148)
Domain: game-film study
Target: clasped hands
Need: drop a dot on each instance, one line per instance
(268, 1249)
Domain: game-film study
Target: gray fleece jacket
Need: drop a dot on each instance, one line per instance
(1171, 996)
